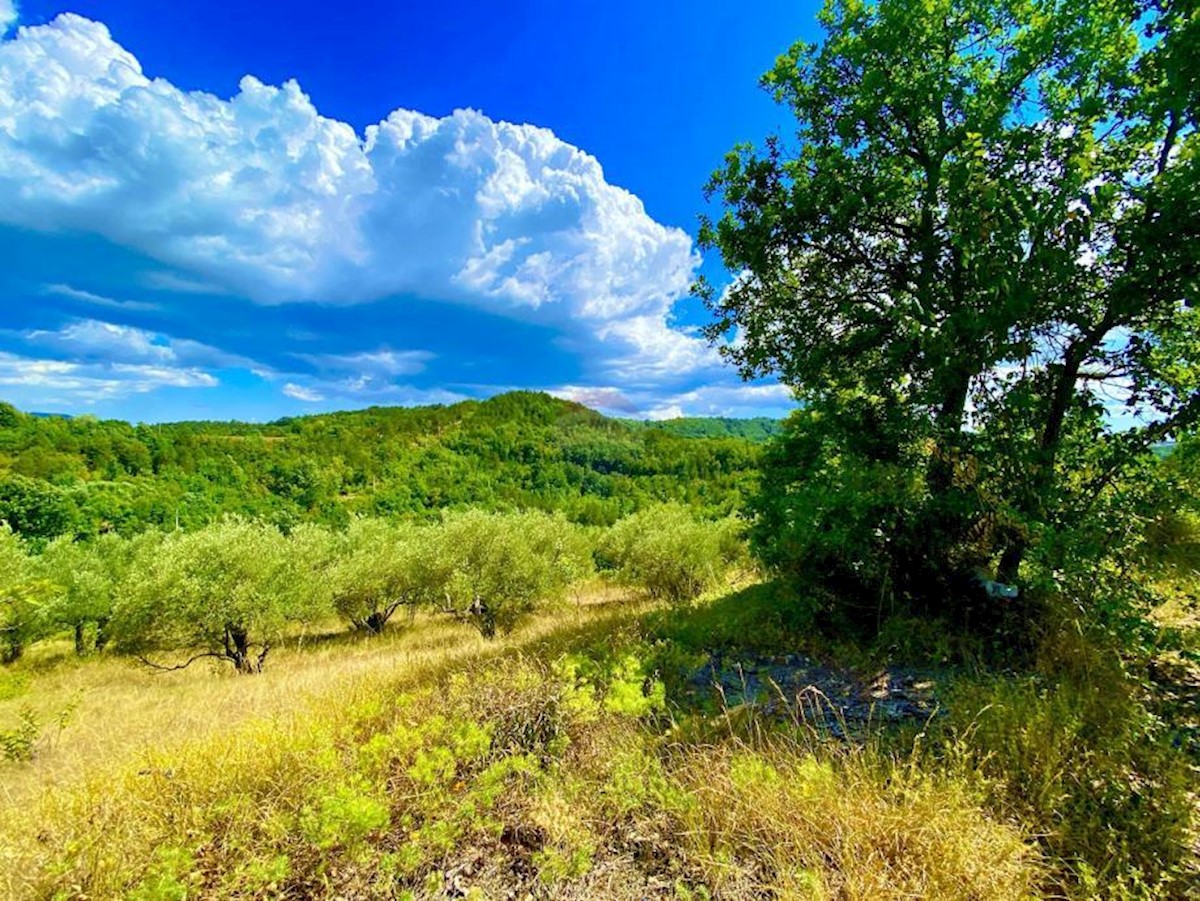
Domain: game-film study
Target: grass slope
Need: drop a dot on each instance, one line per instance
(560, 762)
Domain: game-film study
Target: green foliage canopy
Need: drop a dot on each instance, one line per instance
(84, 477)
(230, 589)
(984, 227)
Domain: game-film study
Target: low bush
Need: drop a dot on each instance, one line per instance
(668, 553)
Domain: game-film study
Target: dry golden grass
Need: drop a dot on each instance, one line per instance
(781, 822)
(152, 755)
(123, 708)
(429, 763)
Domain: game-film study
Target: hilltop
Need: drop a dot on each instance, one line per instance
(515, 450)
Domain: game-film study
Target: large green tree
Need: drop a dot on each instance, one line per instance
(229, 591)
(982, 232)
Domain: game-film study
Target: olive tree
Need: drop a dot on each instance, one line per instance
(669, 553)
(22, 597)
(228, 591)
(87, 577)
(377, 567)
(494, 569)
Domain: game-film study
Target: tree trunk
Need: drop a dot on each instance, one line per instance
(237, 649)
(1009, 567)
(101, 634)
(1041, 480)
(80, 643)
(948, 424)
(485, 619)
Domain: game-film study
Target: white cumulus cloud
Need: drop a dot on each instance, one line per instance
(732, 400)
(604, 399)
(299, 392)
(107, 342)
(263, 196)
(56, 381)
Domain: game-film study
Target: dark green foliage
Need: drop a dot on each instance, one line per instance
(35, 508)
(522, 450)
(983, 228)
(758, 428)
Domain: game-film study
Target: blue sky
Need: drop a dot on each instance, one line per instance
(251, 210)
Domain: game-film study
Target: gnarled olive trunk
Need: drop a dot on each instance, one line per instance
(484, 617)
(239, 652)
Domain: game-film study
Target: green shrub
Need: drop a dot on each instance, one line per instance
(668, 553)
(18, 743)
(343, 817)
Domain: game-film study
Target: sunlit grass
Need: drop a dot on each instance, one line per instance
(429, 763)
(121, 707)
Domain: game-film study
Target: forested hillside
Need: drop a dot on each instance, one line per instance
(758, 428)
(519, 450)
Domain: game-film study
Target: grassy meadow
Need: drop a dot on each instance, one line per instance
(564, 760)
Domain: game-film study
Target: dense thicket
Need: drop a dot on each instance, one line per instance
(516, 451)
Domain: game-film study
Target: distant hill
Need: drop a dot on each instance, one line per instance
(758, 429)
(516, 450)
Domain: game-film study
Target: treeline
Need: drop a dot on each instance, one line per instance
(757, 429)
(522, 450)
(234, 589)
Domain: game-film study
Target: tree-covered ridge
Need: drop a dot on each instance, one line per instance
(520, 450)
(758, 428)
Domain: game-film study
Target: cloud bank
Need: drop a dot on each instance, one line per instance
(240, 211)
(263, 197)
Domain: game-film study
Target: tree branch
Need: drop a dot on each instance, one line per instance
(170, 669)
